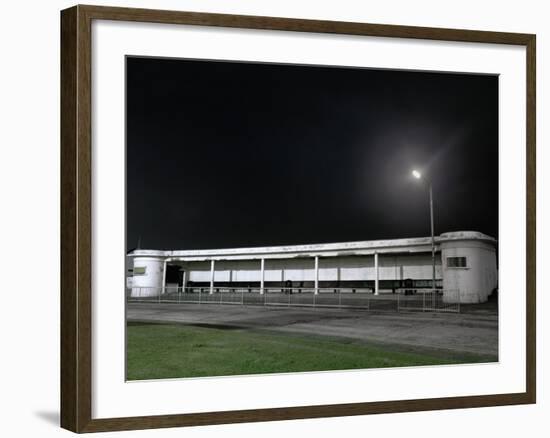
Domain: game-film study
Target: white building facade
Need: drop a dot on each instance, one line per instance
(465, 262)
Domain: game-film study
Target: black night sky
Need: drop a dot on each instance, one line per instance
(229, 154)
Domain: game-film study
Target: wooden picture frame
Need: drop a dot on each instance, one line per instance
(76, 218)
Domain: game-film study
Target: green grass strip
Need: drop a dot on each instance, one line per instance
(157, 351)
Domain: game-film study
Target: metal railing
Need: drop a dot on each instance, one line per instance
(428, 300)
(419, 300)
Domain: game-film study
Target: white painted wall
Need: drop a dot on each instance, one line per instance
(199, 271)
(150, 283)
(294, 270)
(391, 267)
(478, 279)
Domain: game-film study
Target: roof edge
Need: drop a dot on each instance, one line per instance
(338, 246)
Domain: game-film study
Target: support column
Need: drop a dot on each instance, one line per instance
(262, 272)
(316, 275)
(184, 280)
(212, 264)
(376, 290)
(163, 286)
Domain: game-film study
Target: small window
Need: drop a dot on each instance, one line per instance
(139, 270)
(456, 262)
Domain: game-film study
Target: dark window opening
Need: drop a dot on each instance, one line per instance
(456, 262)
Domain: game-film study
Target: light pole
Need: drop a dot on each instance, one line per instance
(419, 176)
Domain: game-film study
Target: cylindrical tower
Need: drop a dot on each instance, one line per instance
(148, 274)
(469, 266)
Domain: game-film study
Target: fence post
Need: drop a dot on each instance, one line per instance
(398, 302)
(200, 295)
(424, 302)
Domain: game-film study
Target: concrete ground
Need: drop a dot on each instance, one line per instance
(472, 332)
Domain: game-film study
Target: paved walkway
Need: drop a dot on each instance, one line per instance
(472, 333)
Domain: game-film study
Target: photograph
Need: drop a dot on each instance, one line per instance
(299, 218)
(270, 217)
(275, 219)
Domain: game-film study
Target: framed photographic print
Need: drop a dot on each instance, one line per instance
(271, 218)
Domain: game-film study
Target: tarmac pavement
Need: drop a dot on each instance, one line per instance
(471, 333)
